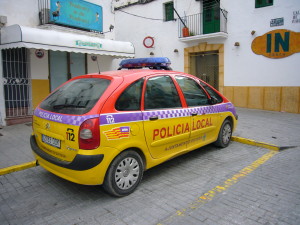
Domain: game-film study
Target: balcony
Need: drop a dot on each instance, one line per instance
(207, 25)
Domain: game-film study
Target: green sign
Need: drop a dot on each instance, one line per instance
(89, 44)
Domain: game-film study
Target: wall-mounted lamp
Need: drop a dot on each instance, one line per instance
(151, 53)
(237, 44)
(253, 32)
(111, 27)
(176, 50)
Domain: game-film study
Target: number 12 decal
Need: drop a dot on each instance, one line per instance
(70, 134)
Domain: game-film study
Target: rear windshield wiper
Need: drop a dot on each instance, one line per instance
(67, 106)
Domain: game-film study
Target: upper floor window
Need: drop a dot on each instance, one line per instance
(169, 12)
(263, 3)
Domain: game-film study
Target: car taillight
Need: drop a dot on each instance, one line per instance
(89, 134)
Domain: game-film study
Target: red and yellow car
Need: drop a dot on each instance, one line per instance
(109, 128)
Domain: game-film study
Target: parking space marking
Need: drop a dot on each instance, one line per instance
(209, 195)
(16, 168)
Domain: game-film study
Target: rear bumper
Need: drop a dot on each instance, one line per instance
(80, 162)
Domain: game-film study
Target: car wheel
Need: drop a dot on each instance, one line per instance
(224, 134)
(124, 174)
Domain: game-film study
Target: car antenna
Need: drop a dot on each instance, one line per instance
(95, 58)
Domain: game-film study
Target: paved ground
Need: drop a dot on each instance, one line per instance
(241, 184)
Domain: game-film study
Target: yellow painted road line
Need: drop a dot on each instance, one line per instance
(208, 196)
(12, 169)
(255, 143)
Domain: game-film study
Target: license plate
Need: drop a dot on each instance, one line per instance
(51, 141)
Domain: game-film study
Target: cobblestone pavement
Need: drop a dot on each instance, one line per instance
(15, 145)
(240, 184)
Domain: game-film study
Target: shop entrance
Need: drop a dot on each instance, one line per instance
(205, 65)
(64, 66)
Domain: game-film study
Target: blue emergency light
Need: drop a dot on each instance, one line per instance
(156, 63)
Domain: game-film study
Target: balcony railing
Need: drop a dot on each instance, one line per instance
(203, 23)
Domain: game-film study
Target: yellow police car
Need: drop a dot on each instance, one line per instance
(109, 128)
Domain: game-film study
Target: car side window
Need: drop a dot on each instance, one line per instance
(161, 93)
(193, 93)
(212, 93)
(130, 99)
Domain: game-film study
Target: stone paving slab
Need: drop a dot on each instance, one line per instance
(35, 196)
(15, 145)
(270, 194)
(278, 128)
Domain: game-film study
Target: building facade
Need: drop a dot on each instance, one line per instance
(43, 43)
(248, 51)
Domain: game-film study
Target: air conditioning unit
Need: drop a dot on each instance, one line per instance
(44, 16)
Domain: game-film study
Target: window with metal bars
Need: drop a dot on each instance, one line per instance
(17, 82)
(263, 3)
(169, 12)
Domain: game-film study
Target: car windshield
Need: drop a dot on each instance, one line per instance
(76, 97)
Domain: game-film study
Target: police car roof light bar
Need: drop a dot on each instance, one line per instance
(157, 63)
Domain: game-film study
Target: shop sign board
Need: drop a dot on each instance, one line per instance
(277, 22)
(277, 44)
(77, 13)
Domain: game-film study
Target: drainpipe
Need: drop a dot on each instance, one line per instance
(2, 100)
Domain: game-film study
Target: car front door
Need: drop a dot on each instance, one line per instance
(166, 122)
(204, 116)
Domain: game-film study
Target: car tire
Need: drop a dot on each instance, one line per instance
(225, 134)
(124, 174)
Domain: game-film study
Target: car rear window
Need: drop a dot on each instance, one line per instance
(76, 97)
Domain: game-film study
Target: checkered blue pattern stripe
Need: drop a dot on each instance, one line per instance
(135, 116)
(66, 119)
(120, 117)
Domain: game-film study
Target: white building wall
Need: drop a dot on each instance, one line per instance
(242, 66)
(165, 34)
(39, 67)
(25, 13)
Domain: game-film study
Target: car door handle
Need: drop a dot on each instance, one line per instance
(153, 118)
(194, 114)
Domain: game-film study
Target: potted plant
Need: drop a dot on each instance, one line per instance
(185, 32)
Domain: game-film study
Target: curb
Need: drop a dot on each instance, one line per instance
(255, 143)
(16, 168)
